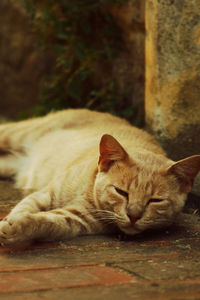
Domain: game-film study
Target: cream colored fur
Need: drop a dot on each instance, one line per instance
(86, 172)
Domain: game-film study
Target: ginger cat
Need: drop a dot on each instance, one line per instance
(87, 172)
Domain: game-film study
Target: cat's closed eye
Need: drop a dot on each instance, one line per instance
(154, 200)
(121, 192)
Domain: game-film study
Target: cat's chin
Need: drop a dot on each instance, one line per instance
(130, 230)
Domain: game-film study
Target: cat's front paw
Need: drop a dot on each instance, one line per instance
(15, 229)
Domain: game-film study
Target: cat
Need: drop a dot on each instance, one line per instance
(85, 172)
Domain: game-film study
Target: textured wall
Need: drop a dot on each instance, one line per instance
(21, 66)
(173, 74)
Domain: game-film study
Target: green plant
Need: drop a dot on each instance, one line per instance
(85, 40)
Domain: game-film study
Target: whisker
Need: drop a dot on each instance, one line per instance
(107, 216)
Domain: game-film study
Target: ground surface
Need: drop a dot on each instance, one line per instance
(156, 265)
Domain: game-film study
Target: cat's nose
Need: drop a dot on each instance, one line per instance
(133, 218)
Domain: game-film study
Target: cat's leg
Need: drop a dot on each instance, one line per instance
(27, 222)
(12, 224)
(59, 224)
(15, 141)
(15, 136)
(8, 165)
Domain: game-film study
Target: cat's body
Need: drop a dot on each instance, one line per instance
(76, 184)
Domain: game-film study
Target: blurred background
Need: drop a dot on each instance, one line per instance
(61, 54)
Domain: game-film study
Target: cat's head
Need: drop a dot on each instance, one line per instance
(141, 190)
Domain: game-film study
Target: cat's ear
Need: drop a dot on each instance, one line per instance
(186, 170)
(110, 151)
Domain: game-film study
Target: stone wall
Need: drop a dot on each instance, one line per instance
(173, 75)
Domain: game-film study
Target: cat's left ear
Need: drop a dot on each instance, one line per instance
(186, 170)
(110, 151)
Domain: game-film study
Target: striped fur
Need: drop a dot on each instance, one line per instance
(87, 172)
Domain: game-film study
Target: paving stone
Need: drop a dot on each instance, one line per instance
(167, 291)
(182, 267)
(94, 250)
(65, 277)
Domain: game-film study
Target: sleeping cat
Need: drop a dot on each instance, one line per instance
(87, 172)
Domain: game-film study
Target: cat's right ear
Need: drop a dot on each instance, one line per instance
(186, 170)
(110, 151)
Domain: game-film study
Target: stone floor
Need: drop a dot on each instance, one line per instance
(155, 265)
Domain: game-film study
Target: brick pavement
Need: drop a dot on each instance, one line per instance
(155, 265)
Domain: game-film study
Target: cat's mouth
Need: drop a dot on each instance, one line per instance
(130, 226)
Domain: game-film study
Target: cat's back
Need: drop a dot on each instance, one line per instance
(84, 125)
(78, 129)
(83, 122)
(78, 138)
